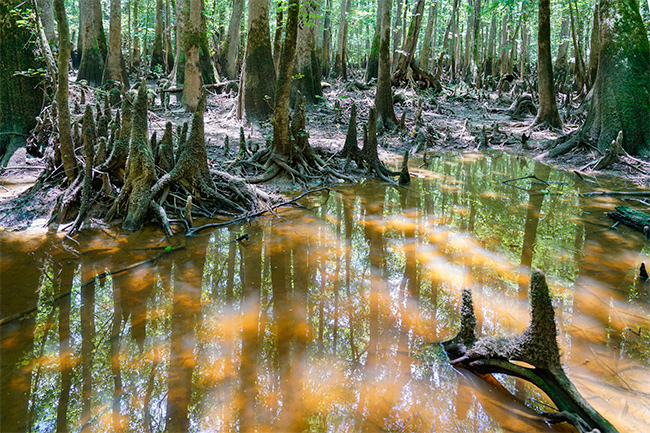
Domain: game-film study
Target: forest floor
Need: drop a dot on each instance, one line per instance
(458, 119)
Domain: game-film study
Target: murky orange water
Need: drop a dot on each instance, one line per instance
(323, 319)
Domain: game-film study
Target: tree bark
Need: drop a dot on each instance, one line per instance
(20, 98)
(229, 53)
(594, 52)
(115, 68)
(192, 81)
(135, 56)
(340, 67)
(621, 92)
(423, 61)
(93, 42)
(258, 83)
(182, 16)
(561, 68)
(46, 14)
(547, 112)
(326, 42)
(372, 67)
(384, 94)
(66, 147)
(306, 70)
(408, 49)
(157, 54)
(281, 139)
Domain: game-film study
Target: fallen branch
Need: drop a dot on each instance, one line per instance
(254, 214)
(636, 219)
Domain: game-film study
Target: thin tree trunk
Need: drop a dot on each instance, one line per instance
(373, 57)
(490, 61)
(182, 16)
(580, 63)
(277, 38)
(66, 147)
(135, 56)
(397, 36)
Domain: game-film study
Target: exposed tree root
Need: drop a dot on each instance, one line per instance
(303, 164)
(416, 77)
(537, 347)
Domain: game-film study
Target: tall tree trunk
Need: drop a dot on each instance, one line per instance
(258, 83)
(594, 52)
(434, 40)
(277, 37)
(523, 51)
(326, 42)
(373, 56)
(306, 70)
(45, 10)
(91, 67)
(384, 94)
(192, 81)
(135, 56)
(115, 68)
(281, 139)
(182, 16)
(340, 68)
(396, 35)
(579, 61)
(503, 47)
(20, 98)
(230, 50)
(423, 62)
(205, 59)
(157, 54)
(561, 68)
(547, 112)
(490, 61)
(408, 50)
(445, 41)
(621, 92)
(66, 147)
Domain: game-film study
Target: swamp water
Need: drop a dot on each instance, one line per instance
(322, 318)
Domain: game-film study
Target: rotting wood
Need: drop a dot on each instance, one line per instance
(636, 219)
(536, 346)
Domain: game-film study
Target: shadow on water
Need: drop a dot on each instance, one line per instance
(322, 318)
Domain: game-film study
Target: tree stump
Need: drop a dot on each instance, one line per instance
(536, 346)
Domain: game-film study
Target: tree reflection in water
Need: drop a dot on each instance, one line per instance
(322, 319)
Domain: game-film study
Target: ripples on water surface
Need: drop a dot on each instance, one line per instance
(321, 320)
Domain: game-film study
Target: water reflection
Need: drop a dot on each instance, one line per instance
(322, 319)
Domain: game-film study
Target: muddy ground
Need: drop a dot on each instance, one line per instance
(459, 119)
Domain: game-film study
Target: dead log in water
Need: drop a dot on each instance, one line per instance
(636, 219)
(537, 348)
